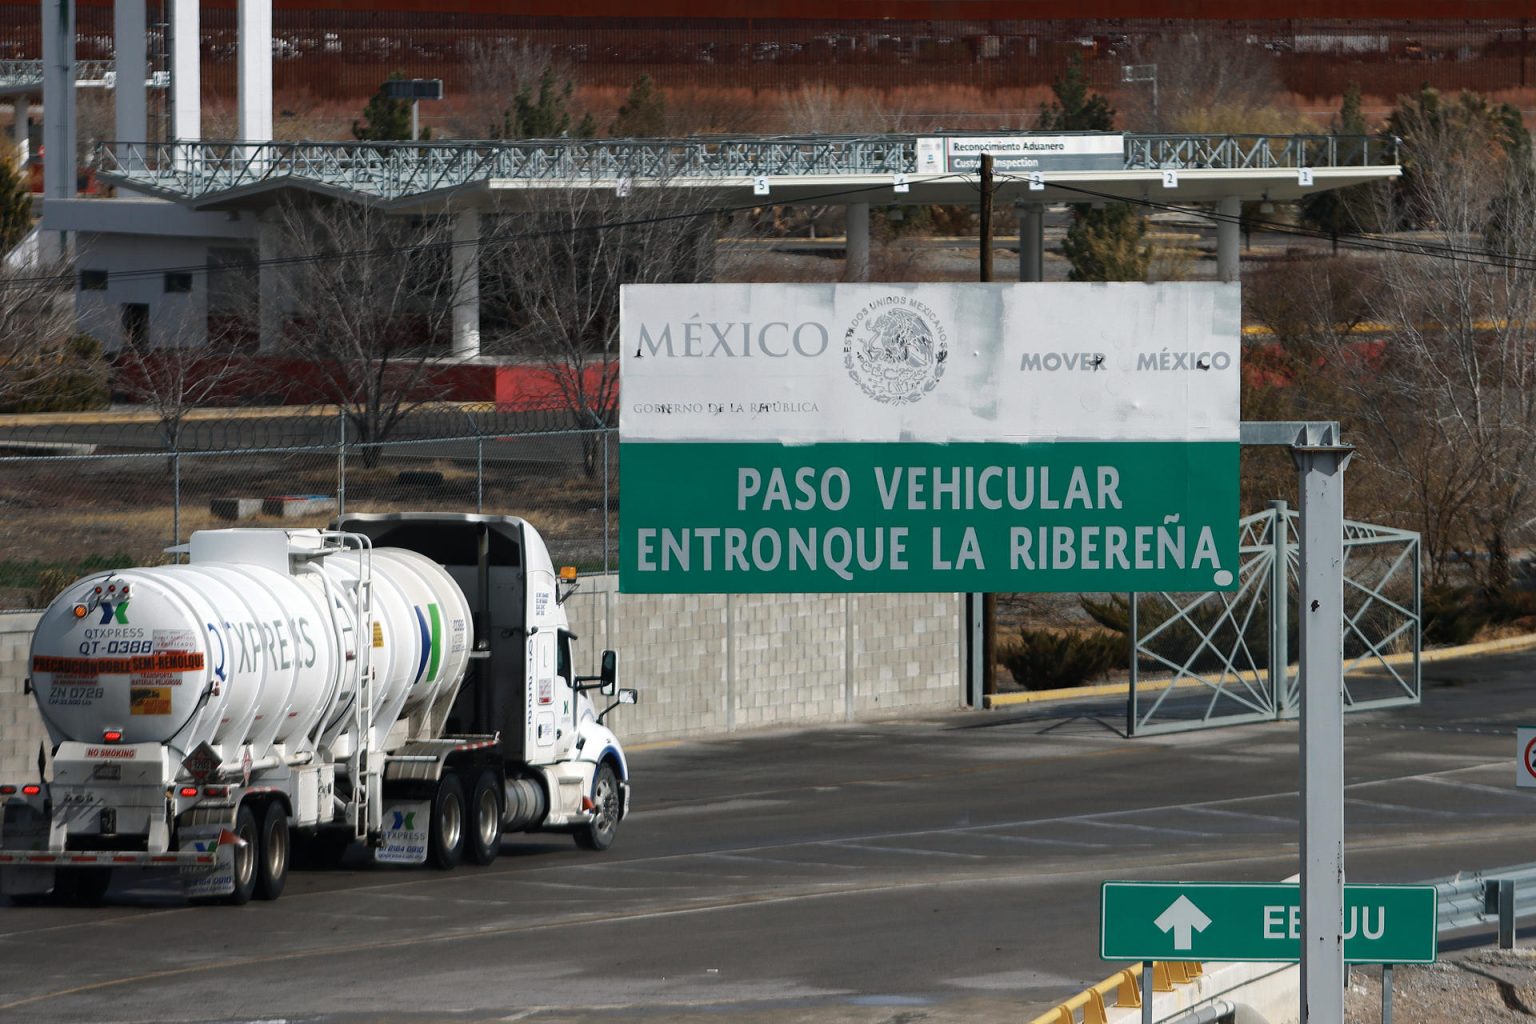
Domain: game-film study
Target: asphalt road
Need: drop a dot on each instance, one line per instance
(943, 869)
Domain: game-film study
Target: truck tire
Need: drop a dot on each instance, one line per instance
(445, 845)
(599, 832)
(246, 857)
(272, 862)
(484, 840)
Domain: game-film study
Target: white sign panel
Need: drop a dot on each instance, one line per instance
(941, 363)
(1021, 153)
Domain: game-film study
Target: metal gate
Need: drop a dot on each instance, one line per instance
(1212, 659)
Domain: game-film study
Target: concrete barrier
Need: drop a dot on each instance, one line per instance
(706, 665)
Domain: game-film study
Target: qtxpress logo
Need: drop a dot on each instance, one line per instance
(405, 821)
(114, 611)
(896, 350)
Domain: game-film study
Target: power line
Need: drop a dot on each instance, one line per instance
(1354, 240)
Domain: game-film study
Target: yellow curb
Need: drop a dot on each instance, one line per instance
(1513, 643)
(654, 745)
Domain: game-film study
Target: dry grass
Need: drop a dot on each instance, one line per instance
(123, 508)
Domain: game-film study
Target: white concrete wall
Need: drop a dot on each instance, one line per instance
(709, 664)
(705, 665)
(174, 318)
(20, 729)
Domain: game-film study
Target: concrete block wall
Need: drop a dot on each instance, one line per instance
(21, 730)
(705, 664)
(711, 664)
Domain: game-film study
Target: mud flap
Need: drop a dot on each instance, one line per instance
(219, 880)
(404, 837)
(25, 828)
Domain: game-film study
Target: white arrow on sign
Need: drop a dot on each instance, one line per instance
(1181, 918)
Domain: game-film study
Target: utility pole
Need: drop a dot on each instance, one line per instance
(988, 601)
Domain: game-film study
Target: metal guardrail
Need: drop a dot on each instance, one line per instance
(395, 170)
(1463, 899)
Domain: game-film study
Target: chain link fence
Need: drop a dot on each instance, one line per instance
(108, 491)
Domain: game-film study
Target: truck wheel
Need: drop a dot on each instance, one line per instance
(246, 856)
(484, 840)
(598, 834)
(446, 842)
(272, 866)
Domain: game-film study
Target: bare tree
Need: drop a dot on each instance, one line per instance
(372, 296)
(498, 73)
(1450, 399)
(42, 364)
(555, 273)
(815, 108)
(1198, 71)
(172, 381)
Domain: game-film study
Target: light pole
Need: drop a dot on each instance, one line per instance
(1142, 73)
(415, 90)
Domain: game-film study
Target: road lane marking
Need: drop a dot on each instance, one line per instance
(905, 851)
(608, 918)
(1425, 811)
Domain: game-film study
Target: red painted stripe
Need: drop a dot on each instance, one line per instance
(915, 10)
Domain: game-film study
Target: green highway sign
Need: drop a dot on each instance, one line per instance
(1393, 924)
(923, 438)
(930, 517)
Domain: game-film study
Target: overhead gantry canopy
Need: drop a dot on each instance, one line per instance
(873, 169)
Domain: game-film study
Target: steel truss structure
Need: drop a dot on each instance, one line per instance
(390, 171)
(1215, 658)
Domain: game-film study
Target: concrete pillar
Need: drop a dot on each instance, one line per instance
(186, 72)
(269, 283)
(20, 137)
(856, 266)
(129, 97)
(254, 60)
(1228, 238)
(1031, 241)
(466, 276)
(59, 114)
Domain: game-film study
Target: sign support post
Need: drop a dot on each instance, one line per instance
(1320, 462)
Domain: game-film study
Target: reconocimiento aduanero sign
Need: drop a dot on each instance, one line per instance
(929, 437)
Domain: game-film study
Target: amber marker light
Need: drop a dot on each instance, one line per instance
(568, 573)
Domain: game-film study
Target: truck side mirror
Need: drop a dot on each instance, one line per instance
(605, 679)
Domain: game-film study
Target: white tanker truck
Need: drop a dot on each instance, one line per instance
(405, 680)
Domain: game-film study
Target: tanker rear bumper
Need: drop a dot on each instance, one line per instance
(105, 859)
